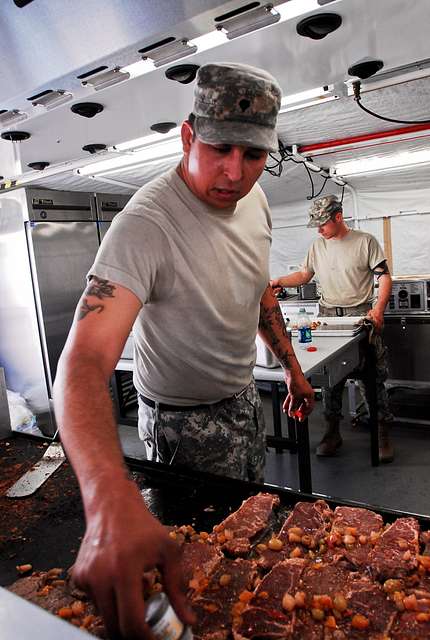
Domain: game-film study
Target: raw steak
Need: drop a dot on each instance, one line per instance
(236, 532)
(368, 599)
(395, 552)
(198, 558)
(214, 602)
(407, 627)
(313, 519)
(352, 530)
(265, 617)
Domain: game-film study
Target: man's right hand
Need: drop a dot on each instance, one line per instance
(276, 286)
(121, 542)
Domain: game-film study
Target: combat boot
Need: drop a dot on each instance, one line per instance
(386, 449)
(331, 440)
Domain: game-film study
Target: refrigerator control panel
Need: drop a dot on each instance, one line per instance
(408, 297)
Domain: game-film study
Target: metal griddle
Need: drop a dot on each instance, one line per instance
(173, 495)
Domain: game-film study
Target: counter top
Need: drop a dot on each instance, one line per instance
(328, 349)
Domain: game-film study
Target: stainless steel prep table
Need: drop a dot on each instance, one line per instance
(333, 360)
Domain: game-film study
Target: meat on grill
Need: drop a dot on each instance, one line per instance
(265, 617)
(303, 530)
(214, 601)
(237, 531)
(352, 533)
(395, 552)
(354, 579)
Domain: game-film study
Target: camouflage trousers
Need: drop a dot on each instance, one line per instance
(225, 438)
(332, 397)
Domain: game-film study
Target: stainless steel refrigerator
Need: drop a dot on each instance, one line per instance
(48, 242)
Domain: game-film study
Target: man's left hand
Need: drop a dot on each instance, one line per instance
(300, 398)
(377, 319)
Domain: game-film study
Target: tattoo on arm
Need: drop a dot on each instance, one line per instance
(272, 324)
(100, 289)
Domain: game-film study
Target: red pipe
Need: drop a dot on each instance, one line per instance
(307, 148)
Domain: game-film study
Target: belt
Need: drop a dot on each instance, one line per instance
(340, 311)
(172, 407)
(189, 407)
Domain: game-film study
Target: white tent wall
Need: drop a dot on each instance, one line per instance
(409, 211)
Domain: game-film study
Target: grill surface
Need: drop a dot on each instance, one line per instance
(45, 529)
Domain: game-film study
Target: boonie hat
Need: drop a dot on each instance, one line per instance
(236, 104)
(322, 210)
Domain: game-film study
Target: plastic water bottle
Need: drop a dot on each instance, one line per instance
(304, 329)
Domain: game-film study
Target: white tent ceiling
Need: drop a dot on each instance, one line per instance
(369, 28)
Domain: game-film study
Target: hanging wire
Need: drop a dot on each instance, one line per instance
(357, 97)
(285, 155)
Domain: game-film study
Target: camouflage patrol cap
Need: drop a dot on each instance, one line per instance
(236, 104)
(322, 210)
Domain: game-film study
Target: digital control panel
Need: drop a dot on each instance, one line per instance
(409, 297)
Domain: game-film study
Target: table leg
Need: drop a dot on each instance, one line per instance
(372, 400)
(292, 434)
(276, 408)
(304, 457)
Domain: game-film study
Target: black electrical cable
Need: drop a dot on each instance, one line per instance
(322, 188)
(357, 97)
(284, 155)
(343, 192)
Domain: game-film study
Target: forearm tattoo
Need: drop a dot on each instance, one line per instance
(272, 324)
(99, 289)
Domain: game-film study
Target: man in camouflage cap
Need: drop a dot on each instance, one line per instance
(346, 262)
(322, 210)
(236, 104)
(186, 266)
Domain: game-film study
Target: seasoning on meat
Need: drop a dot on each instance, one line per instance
(237, 531)
(395, 551)
(303, 531)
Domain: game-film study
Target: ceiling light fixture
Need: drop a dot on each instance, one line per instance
(106, 79)
(151, 154)
(313, 96)
(167, 53)
(146, 141)
(287, 11)
(249, 21)
(8, 118)
(50, 99)
(391, 163)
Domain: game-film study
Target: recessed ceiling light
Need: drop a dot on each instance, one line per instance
(163, 127)
(319, 25)
(93, 148)
(87, 109)
(15, 136)
(183, 73)
(38, 166)
(365, 68)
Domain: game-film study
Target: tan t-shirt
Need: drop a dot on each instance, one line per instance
(200, 273)
(344, 268)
